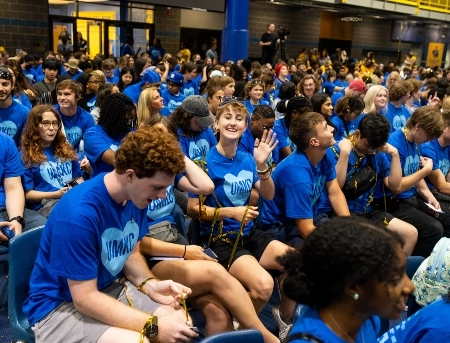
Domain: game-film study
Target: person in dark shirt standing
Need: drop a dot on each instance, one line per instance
(268, 42)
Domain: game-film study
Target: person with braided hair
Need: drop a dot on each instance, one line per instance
(117, 118)
(343, 284)
(291, 108)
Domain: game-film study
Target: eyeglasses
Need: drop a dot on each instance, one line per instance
(264, 127)
(228, 99)
(45, 124)
(95, 81)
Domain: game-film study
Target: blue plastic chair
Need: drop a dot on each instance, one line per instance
(23, 251)
(239, 336)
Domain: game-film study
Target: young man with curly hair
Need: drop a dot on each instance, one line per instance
(90, 282)
(398, 114)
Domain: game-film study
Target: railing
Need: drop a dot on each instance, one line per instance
(429, 5)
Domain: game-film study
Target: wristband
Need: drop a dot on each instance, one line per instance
(139, 288)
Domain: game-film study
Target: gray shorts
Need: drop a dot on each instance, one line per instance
(66, 324)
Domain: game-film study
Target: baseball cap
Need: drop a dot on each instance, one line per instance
(357, 85)
(176, 77)
(198, 106)
(73, 63)
(150, 76)
(216, 73)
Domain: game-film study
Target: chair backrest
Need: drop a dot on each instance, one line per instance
(239, 336)
(23, 251)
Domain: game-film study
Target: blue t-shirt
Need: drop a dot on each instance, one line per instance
(133, 92)
(298, 186)
(172, 101)
(96, 142)
(51, 175)
(23, 99)
(161, 209)
(247, 144)
(409, 162)
(336, 97)
(10, 165)
(310, 322)
(359, 205)
(430, 324)
(114, 80)
(190, 88)
(75, 126)
(282, 132)
(397, 116)
(12, 121)
(341, 83)
(439, 155)
(156, 54)
(340, 131)
(198, 146)
(233, 180)
(87, 242)
(328, 87)
(251, 108)
(31, 74)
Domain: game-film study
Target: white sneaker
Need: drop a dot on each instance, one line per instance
(283, 327)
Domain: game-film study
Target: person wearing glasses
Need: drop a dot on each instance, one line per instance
(254, 91)
(227, 219)
(290, 108)
(51, 169)
(347, 110)
(91, 83)
(263, 119)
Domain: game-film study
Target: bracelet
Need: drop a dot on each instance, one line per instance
(216, 215)
(263, 171)
(203, 213)
(146, 325)
(266, 177)
(185, 247)
(139, 288)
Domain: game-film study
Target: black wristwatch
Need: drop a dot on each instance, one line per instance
(19, 219)
(151, 331)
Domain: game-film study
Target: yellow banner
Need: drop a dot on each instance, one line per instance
(435, 54)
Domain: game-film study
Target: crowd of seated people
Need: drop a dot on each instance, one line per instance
(289, 173)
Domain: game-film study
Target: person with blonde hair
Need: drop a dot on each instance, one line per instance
(376, 99)
(150, 104)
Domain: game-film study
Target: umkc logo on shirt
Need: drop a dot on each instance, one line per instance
(9, 128)
(117, 245)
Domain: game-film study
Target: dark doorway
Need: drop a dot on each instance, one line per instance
(332, 44)
(199, 40)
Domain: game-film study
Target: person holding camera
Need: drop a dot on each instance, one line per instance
(50, 163)
(268, 43)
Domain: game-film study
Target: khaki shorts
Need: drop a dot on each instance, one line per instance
(66, 324)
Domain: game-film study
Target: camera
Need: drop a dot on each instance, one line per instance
(6, 230)
(71, 183)
(282, 33)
